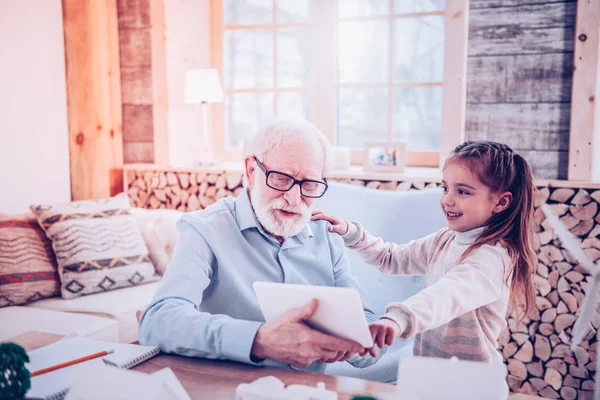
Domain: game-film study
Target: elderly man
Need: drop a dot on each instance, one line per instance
(205, 305)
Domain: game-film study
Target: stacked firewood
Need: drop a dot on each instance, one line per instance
(184, 191)
(536, 350)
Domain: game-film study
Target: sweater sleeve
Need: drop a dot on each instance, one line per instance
(394, 259)
(465, 287)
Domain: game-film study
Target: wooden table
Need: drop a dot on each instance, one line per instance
(208, 379)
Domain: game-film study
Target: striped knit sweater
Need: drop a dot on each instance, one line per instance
(462, 308)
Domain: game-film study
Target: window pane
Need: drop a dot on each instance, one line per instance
(247, 12)
(363, 51)
(244, 114)
(359, 8)
(294, 57)
(294, 105)
(362, 116)
(248, 59)
(411, 6)
(419, 49)
(417, 118)
(292, 11)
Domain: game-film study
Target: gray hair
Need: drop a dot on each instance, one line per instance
(283, 132)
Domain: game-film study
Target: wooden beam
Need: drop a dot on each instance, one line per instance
(93, 97)
(160, 91)
(584, 143)
(454, 100)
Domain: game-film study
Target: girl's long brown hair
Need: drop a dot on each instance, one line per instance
(502, 170)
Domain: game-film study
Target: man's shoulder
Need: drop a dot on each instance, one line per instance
(321, 232)
(222, 209)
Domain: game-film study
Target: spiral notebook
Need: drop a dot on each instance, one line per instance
(54, 385)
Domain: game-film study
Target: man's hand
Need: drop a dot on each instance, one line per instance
(337, 225)
(384, 332)
(289, 340)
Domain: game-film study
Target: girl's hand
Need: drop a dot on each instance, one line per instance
(384, 332)
(337, 225)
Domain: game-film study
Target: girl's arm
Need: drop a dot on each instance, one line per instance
(396, 259)
(475, 283)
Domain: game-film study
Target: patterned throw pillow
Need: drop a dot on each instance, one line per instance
(98, 245)
(27, 263)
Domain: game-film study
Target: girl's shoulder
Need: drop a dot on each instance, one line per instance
(491, 252)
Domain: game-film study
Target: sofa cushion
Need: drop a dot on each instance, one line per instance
(98, 245)
(159, 229)
(28, 269)
(18, 320)
(119, 305)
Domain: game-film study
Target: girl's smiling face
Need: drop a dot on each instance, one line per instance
(466, 202)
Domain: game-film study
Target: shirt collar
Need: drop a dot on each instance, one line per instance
(468, 237)
(244, 214)
(246, 219)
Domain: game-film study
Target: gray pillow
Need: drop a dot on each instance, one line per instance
(98, 245)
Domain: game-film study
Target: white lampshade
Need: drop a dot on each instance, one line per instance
(203, 86)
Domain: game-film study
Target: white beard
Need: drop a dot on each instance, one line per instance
(272, 221)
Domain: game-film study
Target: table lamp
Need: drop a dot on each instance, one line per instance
(203, 86)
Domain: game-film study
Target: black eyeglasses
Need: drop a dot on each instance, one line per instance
(284, 182)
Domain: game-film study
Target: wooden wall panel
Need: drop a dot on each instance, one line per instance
(140, 122)
(534, 29)
(93, 97)
(541, 78)
(134, 13)
(135, 47)
(143, 80)
(139, 152)
(545, 163)
(511, 3)
(546, 124)
(137, 84)
(520, 76)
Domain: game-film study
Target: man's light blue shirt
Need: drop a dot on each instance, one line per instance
(205, 305)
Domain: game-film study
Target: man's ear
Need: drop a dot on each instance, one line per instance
(503, 202)
(250, 168)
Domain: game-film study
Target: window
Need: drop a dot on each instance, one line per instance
(361, 70)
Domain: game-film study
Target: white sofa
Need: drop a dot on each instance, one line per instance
(398, 217)
(108, 315)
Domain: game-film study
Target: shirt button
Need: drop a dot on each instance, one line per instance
(416, 279)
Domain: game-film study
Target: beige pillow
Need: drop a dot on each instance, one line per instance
(28, 270)
(98, 245)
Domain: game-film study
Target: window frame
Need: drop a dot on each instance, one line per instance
(584, 138)
(324, 104)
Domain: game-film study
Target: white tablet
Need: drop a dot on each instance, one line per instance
(340, 312)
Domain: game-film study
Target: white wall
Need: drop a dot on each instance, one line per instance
(187, 47)
(34, 150)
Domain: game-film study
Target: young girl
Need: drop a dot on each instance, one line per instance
(473, 269)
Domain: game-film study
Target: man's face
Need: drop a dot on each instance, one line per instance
(284, 214)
